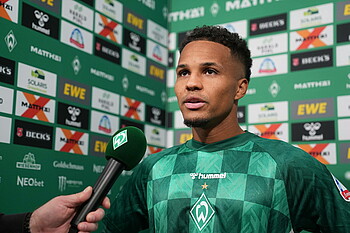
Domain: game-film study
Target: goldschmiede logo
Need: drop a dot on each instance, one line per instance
(202, 212)
(120, 139)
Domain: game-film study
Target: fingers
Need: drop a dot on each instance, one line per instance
(106, 203)
(91, 221)
(85, 227)
(95, 216)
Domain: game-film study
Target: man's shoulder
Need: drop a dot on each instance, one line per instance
(282, 152)
(152, 159)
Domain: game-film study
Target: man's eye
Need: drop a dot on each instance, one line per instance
(210, 71)
(182, 73)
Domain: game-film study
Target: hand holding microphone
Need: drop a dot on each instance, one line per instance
(124, 151)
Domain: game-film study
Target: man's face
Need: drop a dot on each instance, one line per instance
(207, 83)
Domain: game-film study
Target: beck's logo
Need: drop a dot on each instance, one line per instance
(7, 71)
(268, 24)
(107, 50)
(31, 134)
(311, 60)
(120, 139)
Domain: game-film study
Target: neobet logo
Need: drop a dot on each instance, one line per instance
(29, 182)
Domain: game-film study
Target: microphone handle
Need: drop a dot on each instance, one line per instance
(102, 186)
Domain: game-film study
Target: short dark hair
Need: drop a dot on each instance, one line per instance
(233, 41)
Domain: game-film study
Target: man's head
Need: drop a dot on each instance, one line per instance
(211, 77)
(233, 41)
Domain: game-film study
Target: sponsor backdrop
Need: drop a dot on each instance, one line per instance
(300, 85)
(74, 72)
(71, 74)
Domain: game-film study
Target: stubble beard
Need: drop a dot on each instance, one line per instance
(196, 123)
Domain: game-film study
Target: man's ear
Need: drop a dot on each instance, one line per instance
(242, 88)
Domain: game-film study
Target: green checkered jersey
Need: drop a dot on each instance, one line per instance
(242, 184)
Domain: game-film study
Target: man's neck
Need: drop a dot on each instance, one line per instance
(217, 133)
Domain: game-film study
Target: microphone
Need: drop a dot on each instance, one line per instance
(124, 151)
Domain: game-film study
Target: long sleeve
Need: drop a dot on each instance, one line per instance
(13, 223)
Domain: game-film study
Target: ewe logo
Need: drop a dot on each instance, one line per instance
(120, 139)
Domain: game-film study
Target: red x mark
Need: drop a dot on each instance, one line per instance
(311, 38)
(72, 141)
(108, 27)
(3, 12)
(315, 151)
(153, 149)
(37, 105)
(132, 109)
(268, 132)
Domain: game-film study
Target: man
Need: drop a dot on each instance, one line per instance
(54, 216)
(225, 179)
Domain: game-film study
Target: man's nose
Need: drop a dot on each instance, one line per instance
(194, 82)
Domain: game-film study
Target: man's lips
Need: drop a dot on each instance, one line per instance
(194, 103)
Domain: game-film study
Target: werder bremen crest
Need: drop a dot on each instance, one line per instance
(120, 139)
(202, 212)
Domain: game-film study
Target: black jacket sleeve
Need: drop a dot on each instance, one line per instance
(13, 223)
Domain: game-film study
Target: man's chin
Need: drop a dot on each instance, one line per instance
(199, 123)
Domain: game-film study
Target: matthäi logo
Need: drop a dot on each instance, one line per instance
(202, 212)
(28, 163)
(120, 139)
(10, 40)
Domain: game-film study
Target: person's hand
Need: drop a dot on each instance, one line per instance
(55, 215)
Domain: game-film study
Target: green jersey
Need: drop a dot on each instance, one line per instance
(242, 184)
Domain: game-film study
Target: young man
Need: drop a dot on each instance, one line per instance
(225, 179)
